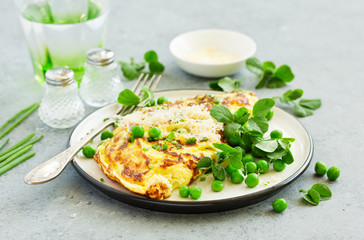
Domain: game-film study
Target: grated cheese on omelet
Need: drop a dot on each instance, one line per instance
(156, 172)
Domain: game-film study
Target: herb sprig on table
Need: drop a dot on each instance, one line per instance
(269, 76)
(131, 70)
(302, 108)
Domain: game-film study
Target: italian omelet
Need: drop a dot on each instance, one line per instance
(143, 167)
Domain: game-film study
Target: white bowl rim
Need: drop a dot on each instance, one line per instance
(254, 48)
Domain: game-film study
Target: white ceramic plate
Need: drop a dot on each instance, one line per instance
(232, 196)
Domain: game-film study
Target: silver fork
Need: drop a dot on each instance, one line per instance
(54, 166)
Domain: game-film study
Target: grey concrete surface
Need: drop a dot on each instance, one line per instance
(323, 41)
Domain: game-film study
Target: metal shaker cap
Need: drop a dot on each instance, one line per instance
(100, 57)
(60, 76)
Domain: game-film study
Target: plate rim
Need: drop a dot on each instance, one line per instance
(205, 206)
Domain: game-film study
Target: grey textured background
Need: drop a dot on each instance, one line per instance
(321, 40)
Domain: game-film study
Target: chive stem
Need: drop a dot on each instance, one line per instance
(32, 141)
(21, 152)
(17, 122)
(4, 143)
(16, 162)
(18, 144)
(16, 116)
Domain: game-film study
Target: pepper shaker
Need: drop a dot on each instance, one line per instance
(101, 83)
(61, 106)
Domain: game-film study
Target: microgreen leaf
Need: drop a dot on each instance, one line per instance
(156, 67)
(221, 157)
(269, 67)
(221, 114)
(225, 84)
(275, 83)
(129, 71)
(255, 66)
(312, 104)
(232, 134)
(268, 146)
(293, 94)
(224, 147)
(205, 163)
(262, 107)
(323, 190)
(235, 158)
(284, 73)
(242, 115)
(219, 172)
(278, 153)
(301, 111)
(128, 98)
(151, 56)
(307, 197)
(315, 196)
(288, 157)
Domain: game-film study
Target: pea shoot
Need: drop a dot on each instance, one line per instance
(106, 134)
(229, 169)
(269, 115)
(88, 151)
(279, 205)
(217, 186)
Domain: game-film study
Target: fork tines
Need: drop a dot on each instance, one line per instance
(143, 81)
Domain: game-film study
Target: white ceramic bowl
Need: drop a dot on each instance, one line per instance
(226, 41)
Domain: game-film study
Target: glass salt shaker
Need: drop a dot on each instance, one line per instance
(61, 106)
(101, 83)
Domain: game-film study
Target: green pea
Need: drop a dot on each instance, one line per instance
(137, 131)
(184, 191)
(248, 158)
(263, 166)
(217, 186)
(237, 176)
(252, 180)
(251, 167)
(162, 100)
(320, 168)
(229, 169)
(279, 165)
(333, 173)
(88, 151)
(279, 205)
(195, 192)
(154, 132)
(106, 134)
(276, 134)
(269, 114)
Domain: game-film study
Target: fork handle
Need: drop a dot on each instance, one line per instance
(54, 166)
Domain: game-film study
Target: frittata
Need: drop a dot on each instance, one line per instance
(143, 166)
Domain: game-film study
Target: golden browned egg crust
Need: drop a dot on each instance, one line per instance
(143, 166)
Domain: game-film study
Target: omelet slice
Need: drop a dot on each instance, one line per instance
(143, 166)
